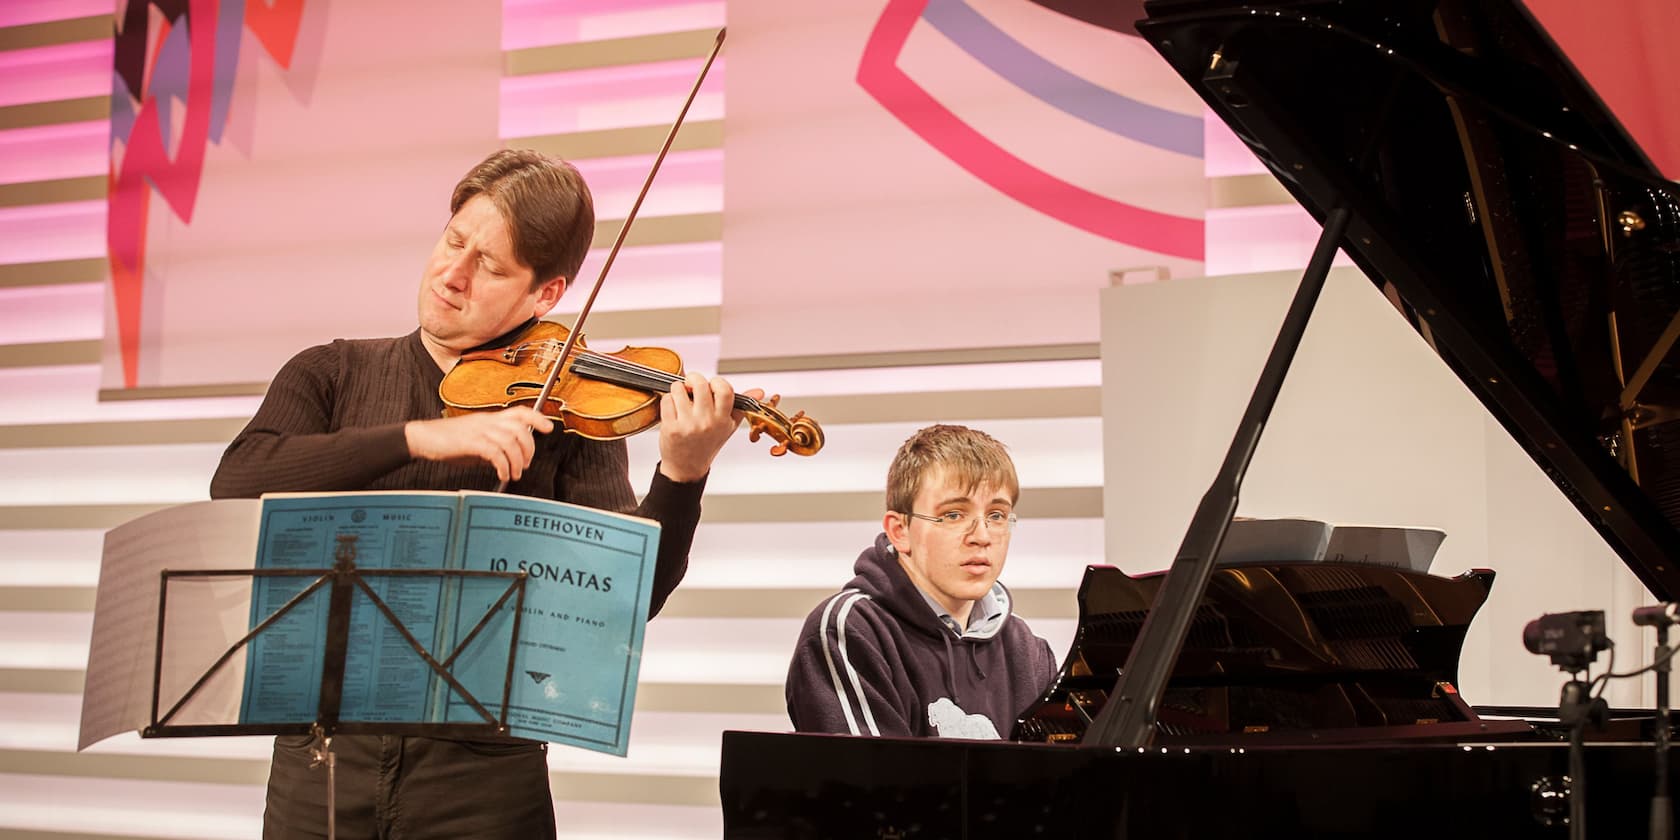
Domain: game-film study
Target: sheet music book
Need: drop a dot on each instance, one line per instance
(1299, 540)
(575, 670)
(585, 611)
(117, 693)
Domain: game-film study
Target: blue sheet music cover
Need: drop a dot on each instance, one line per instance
(585, 612)
(384, 679)
(589, 584)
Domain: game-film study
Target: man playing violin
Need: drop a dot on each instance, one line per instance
(923, 641)
(366, 415)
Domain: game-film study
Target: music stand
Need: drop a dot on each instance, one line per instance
(344, 580)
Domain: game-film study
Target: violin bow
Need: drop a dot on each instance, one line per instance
(624, 230)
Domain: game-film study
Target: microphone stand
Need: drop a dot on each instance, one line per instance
(1576, 708)
(1662, 811)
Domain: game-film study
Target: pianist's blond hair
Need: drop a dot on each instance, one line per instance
(971, 457)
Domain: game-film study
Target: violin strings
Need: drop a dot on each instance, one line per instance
(633, 374)
(641, 375)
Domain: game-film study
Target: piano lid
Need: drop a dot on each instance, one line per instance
(1497, 203)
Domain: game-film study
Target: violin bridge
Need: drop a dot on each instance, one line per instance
(546, 356)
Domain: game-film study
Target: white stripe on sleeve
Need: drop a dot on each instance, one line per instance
(851, 673)
(828, 657)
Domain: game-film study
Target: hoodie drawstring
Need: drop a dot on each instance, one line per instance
(950, 669)
(951, 666)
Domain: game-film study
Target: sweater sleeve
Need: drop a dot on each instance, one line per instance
(1048, 672)
(842, 678)
(290, 444)
(597, 474)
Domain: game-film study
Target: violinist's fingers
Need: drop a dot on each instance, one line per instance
(701, 397)
(497, 450)
(680, 402)
(530, 417)
(524, 449)
(696, 426)
(668, 408)
(507, 440)
(498, 462)
(502, 439)
(510, 458)
(723, 395)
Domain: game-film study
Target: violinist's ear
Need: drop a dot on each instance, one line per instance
(548, 294)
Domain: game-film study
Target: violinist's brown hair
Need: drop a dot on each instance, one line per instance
(546, 205)
(970, 457)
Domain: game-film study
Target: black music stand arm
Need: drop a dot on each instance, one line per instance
(338, 633)
(1128, 718)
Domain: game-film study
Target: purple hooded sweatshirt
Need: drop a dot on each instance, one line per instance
(879, 659)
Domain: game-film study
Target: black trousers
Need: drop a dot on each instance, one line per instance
(391, 788)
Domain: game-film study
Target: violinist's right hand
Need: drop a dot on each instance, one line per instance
(501, 438)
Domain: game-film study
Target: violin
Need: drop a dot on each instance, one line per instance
(604, 396)
(601, 396)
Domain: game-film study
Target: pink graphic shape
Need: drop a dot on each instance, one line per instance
(276, 27)
(147, 160)
(939, 127)
(147, 164)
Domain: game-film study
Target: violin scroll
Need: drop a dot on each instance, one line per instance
(799, 434)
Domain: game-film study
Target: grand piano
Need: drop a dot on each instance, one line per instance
(1456, 156)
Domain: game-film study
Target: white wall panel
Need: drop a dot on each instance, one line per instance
(50, 558)
(70, 394)
(97, 475)
(130, 808)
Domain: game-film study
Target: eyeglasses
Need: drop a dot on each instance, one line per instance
(959, 522)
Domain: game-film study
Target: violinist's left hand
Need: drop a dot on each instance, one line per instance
(696, 419)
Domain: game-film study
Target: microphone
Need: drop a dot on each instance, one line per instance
(1661, 615)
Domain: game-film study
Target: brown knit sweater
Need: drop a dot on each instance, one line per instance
(333, 421)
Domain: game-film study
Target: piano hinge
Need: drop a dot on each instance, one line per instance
(1644, 415)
